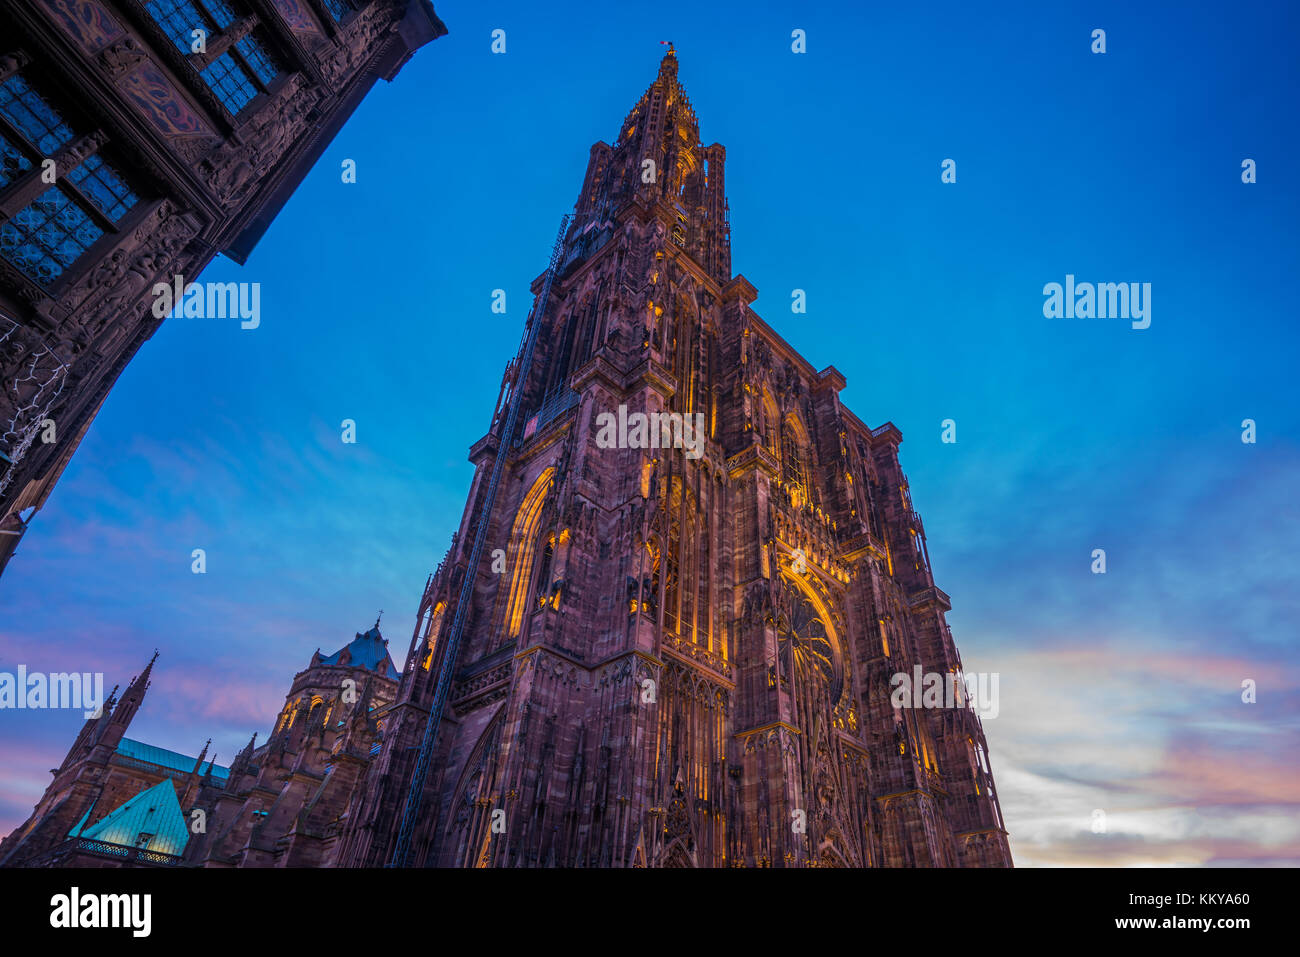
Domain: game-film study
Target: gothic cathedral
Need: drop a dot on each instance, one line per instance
(674, 649)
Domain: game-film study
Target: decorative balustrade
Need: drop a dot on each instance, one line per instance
(129, 856)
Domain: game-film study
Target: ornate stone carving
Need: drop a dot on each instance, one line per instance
(232, 169)
(122, 57)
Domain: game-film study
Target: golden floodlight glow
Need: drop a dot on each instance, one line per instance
(523, 543)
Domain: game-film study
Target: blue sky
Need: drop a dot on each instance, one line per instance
(1118, 692)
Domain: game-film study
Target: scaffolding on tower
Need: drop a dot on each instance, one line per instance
(415, 796)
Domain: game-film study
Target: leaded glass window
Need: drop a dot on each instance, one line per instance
(243, 70)
(12, 162)
(220, 11)
(339, 9)
(177, 19)
(102, 185)
(38, 122)
(54, 224)
(48, 235)
(232, 84)
(257, 58)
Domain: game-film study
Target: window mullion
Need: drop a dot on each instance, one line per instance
(223, 41)
(19, 141)
(31, 184)
(248, 68)
(89, 208)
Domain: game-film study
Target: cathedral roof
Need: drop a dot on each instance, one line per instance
(152, 820)
(171, 760)
(369, 651)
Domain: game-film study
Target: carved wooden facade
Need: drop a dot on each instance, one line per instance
(138, 139)
(672, 658)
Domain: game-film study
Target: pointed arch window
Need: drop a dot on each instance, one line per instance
(544, 573)
(796, 462)
(650, 583)
(431, 633)
(680, 578)
(522, 550)
(770, 424)
(704, 629)
(672, 567)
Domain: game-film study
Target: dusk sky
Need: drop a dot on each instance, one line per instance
(1119, 692)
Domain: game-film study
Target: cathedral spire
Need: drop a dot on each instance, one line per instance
(207, 775)
(239, 766)
(91, 730)
(195, 777)
(202, 754)
(668, 65)
(133, 696)
(658, 163)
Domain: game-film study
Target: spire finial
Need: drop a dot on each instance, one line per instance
(377, 617)
(668, 65)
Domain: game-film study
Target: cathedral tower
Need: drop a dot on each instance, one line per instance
(686, 574)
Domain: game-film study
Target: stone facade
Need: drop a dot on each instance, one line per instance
(676, 656)
(162, 157)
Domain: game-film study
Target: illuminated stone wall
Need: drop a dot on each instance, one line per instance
(678, 656)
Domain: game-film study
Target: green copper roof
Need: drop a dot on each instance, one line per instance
(152, 820)
(173, 760)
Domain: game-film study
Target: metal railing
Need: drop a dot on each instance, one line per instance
(121, 852)
(553, 406)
